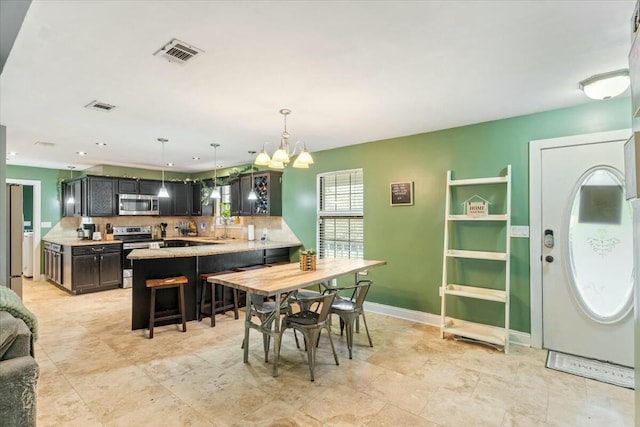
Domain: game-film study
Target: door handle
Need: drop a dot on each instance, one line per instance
(548, 258)
(548, 239)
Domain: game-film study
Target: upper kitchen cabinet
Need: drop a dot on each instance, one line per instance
(184, 199)
(127, 186)
(149, 187)
(92, 196)
(268, 188)
(135, 186)
(72, 192)
(101, 196)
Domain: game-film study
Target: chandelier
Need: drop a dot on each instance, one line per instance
(284, 153)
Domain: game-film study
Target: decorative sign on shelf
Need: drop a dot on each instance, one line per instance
(401, 193)
(476, 208)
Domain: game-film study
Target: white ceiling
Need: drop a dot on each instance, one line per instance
(351, 72)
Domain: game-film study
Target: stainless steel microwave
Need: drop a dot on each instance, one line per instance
(138, 204)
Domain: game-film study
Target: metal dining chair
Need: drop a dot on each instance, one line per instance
(310, 322)
(263, 310)
(349, 308)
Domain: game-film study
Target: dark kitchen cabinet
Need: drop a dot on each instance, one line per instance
(72, 197)
(135, 186)
(268, 188)
(95, 268)
(101, 196)
(92, 196)
(53, 262)
(127, 186)
(183, 200)
(196, 198)
(149, 187)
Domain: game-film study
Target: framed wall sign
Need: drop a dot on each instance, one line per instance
(401, 193)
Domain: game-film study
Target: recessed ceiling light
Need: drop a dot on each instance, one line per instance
(71, 167)
(13, 153)
(81, 153)
(195, 158)
(169, 164)
(101, 144)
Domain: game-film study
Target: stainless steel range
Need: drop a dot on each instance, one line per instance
(133, 237)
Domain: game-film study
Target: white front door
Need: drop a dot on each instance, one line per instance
(586, 252)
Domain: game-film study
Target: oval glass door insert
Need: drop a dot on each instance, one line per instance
(600, 246)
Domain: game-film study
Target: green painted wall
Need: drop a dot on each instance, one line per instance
(410, 238)
(27, 206)
(50, 186)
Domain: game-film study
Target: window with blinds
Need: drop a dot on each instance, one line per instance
(341, 214)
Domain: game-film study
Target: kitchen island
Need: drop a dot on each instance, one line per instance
(191, 261)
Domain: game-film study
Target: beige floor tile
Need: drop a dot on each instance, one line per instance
(95, 371)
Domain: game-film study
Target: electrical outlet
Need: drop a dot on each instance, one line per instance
(519, 231)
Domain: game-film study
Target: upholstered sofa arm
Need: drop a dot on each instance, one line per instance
(19, 379)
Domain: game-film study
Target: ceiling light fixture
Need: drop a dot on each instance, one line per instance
(163, 190)
(215, 192)
(283, 154)
(101, 144)
(81, 153)
(13, 153)
(606, 85)
(252, 193)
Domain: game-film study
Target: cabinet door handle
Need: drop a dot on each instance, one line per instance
(97, 249)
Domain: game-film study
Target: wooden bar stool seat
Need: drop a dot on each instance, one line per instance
(216, 305)
(178, 313)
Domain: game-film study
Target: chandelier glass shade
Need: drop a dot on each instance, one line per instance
(282, 156)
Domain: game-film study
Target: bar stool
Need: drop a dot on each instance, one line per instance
(167, 283)
(213, 304)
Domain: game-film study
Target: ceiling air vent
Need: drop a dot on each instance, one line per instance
(178, 52)
(45, 144)
(99, 106)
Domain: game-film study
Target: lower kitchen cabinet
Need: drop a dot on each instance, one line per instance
(53, 262)
(93, 268)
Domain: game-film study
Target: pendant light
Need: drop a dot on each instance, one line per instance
(215, 192)
(163, 190)
(71, 200)
(252, 193)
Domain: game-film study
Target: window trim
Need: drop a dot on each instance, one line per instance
(320, 214)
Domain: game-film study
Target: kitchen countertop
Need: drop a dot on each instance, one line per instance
(221, 247)
(74, 241)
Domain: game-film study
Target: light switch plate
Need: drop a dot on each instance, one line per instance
(519, 231)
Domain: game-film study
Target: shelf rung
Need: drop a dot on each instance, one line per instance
(476, 331)
(496, 256)
(494, 217)
(479, 181)
(476, 292)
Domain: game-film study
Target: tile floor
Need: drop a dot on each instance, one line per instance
(95, 371)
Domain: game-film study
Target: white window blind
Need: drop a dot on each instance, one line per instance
(341, 214)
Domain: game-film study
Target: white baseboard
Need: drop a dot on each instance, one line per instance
(515, 337)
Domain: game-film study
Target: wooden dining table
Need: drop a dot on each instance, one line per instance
(279, 282)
